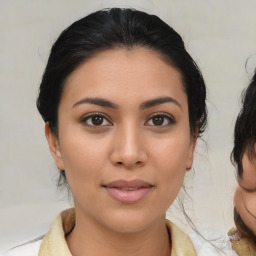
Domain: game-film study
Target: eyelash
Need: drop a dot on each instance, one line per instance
(87, 117)
(167, 118)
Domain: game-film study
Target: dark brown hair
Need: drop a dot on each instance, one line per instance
(245, 128)
(244, 141)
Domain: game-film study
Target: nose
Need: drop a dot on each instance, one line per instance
(129, 150)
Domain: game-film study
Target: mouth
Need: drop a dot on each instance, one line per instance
(128, 192)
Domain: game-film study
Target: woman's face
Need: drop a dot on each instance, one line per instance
(245, 196)
(124, 138)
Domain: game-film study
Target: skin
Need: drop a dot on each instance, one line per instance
(245, 195)
(127, 145)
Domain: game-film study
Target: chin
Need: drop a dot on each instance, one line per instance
(130, 222)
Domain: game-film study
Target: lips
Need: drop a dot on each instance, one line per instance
(128, 192)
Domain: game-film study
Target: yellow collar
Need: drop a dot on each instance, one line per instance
(54, 242)
(242, 246)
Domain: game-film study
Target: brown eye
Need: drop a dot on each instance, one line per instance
(160, 120)
(95, 120)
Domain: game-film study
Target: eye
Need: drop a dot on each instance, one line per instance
(160, 120)
(95, 119)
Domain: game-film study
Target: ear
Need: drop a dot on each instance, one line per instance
(191, 150)
(54, 146)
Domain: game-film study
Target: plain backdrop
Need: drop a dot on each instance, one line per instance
(221, 37)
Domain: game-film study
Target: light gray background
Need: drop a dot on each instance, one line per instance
(219, 34)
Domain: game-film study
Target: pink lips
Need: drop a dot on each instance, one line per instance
(128, 192)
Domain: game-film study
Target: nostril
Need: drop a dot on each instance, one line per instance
(137, 163)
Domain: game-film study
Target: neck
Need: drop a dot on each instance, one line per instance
(91, 238)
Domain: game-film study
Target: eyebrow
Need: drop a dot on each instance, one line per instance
(147, 104)
(158, 101)
(97, 101)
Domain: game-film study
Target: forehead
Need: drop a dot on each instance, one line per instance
(137, 71)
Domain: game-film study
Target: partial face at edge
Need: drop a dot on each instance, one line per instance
(245, 195)
(123, 115)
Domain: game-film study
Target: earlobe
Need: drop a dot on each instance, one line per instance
(191, 152)
(54, 146)
(190, 157)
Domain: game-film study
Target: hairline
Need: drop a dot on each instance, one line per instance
(121, 46)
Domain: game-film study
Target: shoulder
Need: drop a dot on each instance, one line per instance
(27, 249)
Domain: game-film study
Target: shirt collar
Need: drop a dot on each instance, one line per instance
(54, 242)
(241, 245)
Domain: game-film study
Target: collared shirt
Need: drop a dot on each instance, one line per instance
(54, 242)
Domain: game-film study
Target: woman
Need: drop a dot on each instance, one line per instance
(244, 156)
(123, 104)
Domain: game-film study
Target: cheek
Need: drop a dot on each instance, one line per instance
(249, 218)
(83, 157)
(246, 206)
(250, 203)
(173, 151)
(171, 159)
(79, 154)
